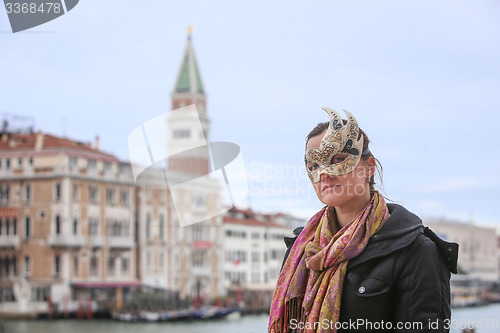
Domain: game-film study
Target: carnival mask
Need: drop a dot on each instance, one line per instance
(340, 149)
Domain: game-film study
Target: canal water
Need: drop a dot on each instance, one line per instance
(485, 319)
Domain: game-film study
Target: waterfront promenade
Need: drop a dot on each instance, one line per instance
(485, 316)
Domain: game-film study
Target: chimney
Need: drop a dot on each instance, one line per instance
(39, 140)
(96, 146)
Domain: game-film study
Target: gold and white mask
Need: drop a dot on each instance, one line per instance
(340, 149)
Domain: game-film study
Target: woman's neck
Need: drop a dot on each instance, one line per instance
(348, 212)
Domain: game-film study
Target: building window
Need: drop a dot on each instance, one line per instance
(236, 233)
(111, 266)
(162, 259)
(75, 226)
(58, 224)
(57, 263)
(124, 197)
(7, 226)
(4, 194)
(27, 265)
(110, 196)
(75, 265)
(274, 254)
(115, 228)
(93, 226)
(14, 265)
(124, 265)
(27, 227)
(93, 193)
(28, 192)
(73, 161)
(7, 163)
(201, 201)
(7, 266)
(31, 160)
(14, 226)
(91, 164)
(148, 225)
(197, 231)
(20, 161)
(40, 294)
(58, 192)
(148, 259)
(198, 259)
(243, 256)
(75, 192)
(255, 257)
(162, 227)
(1, 225)
(106, 166)
(94, 266)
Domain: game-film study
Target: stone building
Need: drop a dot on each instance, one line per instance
(478, 253)
(254, 249)
(66, 221)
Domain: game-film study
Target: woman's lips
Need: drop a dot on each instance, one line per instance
(327, 186)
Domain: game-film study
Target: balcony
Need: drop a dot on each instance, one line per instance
(9, 241)
(66, 240)
(122, 242)
(96, 241)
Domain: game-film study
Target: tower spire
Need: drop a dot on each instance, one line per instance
(184, 128)
(189, 78)
(190, 31)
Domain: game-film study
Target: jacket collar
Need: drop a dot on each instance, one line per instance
(400, 230)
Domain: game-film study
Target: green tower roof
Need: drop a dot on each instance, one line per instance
(189, 78)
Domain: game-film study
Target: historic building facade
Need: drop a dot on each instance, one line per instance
(478, 256)
(66, 217)
(253, 254)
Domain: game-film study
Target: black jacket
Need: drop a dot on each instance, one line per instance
(401, 281)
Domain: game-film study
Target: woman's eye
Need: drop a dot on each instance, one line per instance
(313, 166)
(338, 159)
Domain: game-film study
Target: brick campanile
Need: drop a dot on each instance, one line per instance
(183, 126)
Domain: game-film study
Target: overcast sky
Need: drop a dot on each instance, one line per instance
(421, 77)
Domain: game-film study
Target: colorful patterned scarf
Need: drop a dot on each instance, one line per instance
(309, 288)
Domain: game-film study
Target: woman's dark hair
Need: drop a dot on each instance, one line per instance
(321, 127)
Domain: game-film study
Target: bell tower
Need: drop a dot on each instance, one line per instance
(184, 125)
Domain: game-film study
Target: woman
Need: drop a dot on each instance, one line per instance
(359, 265)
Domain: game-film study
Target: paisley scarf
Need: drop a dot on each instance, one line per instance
(309, 288)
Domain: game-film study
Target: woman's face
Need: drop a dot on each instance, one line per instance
(337, 191)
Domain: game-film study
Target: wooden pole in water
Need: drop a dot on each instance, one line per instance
(119, 298)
